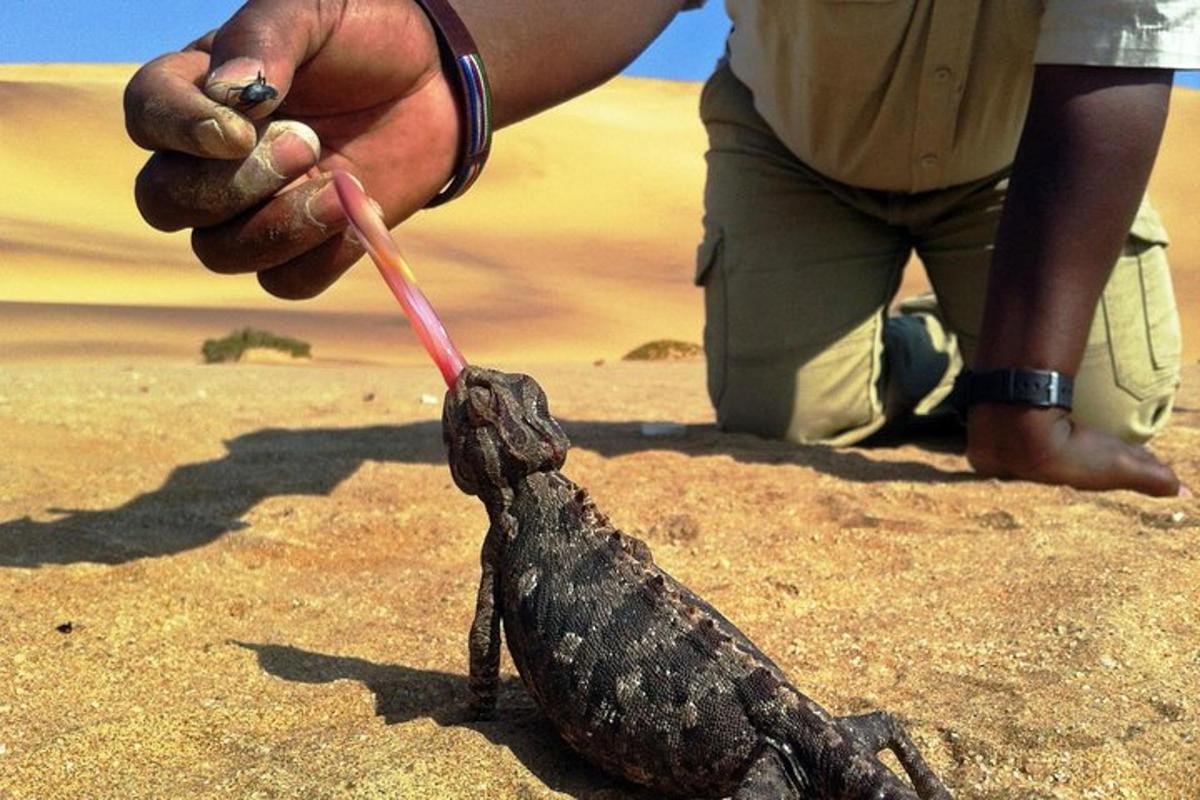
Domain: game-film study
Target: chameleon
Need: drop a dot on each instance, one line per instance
(635, 672)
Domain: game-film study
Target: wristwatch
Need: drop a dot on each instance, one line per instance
(1039, 388)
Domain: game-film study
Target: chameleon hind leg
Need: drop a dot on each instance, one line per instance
(483, 643)
(767, 779)
(880, 731)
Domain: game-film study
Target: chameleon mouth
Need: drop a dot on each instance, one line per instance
(373, 233)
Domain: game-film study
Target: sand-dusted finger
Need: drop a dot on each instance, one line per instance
(166, 110)
(242, 84)
(256, 53)
(312, 273)
(288, 226)
(175, 191)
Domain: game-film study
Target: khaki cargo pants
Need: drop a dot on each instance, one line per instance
(799, 272)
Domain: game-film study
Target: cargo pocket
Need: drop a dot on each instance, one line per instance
(710, 85)
(1140, 316)
(710, 274)
(717, 104)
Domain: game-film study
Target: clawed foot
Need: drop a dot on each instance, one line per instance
(881, 731)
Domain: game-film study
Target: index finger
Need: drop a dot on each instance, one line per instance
(166, 109)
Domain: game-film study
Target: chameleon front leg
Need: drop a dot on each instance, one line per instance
(483, 643)
(879, 731)
(767, 779)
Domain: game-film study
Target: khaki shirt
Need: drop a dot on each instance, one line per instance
(913, 95)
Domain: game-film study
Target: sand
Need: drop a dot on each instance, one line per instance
(268, 576)
(254, 580)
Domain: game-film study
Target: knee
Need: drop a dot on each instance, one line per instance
(827, 403)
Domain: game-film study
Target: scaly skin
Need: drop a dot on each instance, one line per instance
(636, 672)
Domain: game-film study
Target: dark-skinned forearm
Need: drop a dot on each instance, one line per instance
(1085, 156)
(542, 52)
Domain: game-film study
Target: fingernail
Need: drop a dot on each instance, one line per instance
(323, 208)
(373, 202)
(236, 70)
(290, 155)
(291, 148)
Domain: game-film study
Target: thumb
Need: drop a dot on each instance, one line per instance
(256, 53)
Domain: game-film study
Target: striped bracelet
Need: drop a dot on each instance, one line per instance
(460, 57)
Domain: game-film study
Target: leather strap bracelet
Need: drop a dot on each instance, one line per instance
(461, 61)
(1040, 388)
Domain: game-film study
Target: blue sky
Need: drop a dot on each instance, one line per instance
(138, 30)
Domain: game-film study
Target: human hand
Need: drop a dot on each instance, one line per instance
(359, 87)
(1045, 445)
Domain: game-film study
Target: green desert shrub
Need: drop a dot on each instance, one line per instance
(231, 347)
(664, 350)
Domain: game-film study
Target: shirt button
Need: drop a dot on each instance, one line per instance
(929, 160)
(942, 74)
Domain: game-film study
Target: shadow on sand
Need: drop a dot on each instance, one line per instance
(200, 502)
(405, 693)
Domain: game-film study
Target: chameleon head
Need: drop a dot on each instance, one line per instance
(498, 429)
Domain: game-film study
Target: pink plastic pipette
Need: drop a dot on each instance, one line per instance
(373, 233)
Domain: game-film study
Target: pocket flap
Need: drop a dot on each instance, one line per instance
(708, 254)
(1147, 226)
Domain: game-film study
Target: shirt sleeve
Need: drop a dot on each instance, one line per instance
(1121, 33)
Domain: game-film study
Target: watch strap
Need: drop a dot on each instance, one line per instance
(1039, 388)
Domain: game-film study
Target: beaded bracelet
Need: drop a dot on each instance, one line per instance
(460, 58)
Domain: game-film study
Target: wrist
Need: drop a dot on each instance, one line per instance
(1040, 388)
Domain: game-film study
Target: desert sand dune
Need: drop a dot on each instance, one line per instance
(602, 249)
(256, 580)
(578, 243)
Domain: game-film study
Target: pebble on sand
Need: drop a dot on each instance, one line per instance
(663, 429)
